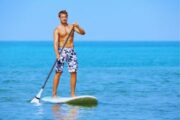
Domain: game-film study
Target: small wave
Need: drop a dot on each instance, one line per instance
(6, 99)
(2, 90)
(9, 81)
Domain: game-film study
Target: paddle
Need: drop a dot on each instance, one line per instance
(36, 99)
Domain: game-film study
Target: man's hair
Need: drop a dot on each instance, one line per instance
(62, 12)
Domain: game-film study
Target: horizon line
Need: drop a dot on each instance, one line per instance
(93, 40)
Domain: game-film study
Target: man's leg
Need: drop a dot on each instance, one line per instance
(55, 83)
(73, 83)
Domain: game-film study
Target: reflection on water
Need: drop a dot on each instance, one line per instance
(40, 110)
(59, 113)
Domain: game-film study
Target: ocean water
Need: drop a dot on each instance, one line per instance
(132, 81)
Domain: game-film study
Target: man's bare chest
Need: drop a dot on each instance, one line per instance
(63, 32)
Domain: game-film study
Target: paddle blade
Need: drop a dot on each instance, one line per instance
(36, 99)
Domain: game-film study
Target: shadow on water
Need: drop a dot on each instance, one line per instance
(69, 111)
(59, 113)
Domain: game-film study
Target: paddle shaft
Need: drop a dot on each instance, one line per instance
(56, 60)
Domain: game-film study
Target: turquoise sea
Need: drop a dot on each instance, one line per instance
(132, 80)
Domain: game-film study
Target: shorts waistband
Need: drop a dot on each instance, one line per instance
(65, 48)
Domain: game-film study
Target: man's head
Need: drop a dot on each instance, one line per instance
(63, 15)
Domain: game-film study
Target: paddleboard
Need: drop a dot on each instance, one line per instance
(78, 100)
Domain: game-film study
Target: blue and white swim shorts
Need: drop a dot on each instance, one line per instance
(67, 55)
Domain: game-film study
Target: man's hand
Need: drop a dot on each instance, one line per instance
(58, 56)
(78, 29)
(76, 25)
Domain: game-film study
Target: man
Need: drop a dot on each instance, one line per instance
(68, 54)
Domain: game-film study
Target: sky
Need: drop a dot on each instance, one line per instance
(103, 20)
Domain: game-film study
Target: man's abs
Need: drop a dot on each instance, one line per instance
(69, 43)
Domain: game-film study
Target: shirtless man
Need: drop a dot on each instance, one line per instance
(68, 54)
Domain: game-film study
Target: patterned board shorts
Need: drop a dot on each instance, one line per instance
(68, 55)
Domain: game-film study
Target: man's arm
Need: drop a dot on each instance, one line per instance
(78, 29)
(56, 43)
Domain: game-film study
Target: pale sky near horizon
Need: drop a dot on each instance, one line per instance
(116, 20)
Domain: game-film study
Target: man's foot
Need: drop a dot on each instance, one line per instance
(73, 95)
(54, 96)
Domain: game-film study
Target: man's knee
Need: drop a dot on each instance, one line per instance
(73, 73)
(58, 73)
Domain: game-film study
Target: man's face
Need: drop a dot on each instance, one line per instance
(63, 18)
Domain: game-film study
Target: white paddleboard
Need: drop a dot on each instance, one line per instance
(78, 100)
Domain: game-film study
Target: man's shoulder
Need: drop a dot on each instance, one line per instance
(70, 25)
(56, 29)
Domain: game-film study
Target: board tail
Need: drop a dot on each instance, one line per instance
(87, 102)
